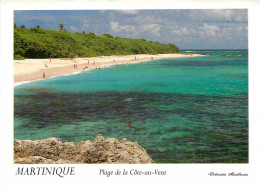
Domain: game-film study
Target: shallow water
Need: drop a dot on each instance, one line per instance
(188, 110)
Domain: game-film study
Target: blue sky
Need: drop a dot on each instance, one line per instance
(188, 29)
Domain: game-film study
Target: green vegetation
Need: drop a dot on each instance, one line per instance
(18, 57)
(36, 42)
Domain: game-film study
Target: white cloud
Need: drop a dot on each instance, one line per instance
(181, 31)
(73, 28)
(175, 30)
(145, 19)
(226, 15)
(185, 31)
(85, 23)
(151, 28)
(116, 28)
(210, 30)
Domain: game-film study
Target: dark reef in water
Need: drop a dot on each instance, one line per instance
(42, 90)
(219, 132)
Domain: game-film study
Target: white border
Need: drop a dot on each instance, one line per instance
(178, 175)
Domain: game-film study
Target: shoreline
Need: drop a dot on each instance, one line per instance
(32, 69)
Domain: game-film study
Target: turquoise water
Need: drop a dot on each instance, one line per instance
(186, 110)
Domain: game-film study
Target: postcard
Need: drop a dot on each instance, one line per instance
(116, 94)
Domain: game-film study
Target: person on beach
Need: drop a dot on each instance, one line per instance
(129, 124)
(135, 57)
(93, 62)
(43, 75)
(88, 61)
(75, 66)
(50, 59)
(85, 67)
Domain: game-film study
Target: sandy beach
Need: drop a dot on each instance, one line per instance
(33, 69)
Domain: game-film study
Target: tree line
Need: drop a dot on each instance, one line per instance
(36, 42)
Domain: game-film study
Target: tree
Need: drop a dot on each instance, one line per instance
(61, 27)
(35, 49)
(14, 25)
(22, 27)
(107, 35)
(37, 29)
(91, 34)
(83, 32)
(173, 46)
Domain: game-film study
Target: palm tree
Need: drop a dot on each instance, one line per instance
(61, 27)
(37, 26)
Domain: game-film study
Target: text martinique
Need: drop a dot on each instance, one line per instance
(43, 171)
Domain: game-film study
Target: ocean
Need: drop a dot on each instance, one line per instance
(182, 110)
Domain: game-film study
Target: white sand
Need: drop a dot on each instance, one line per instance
(32, 69)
